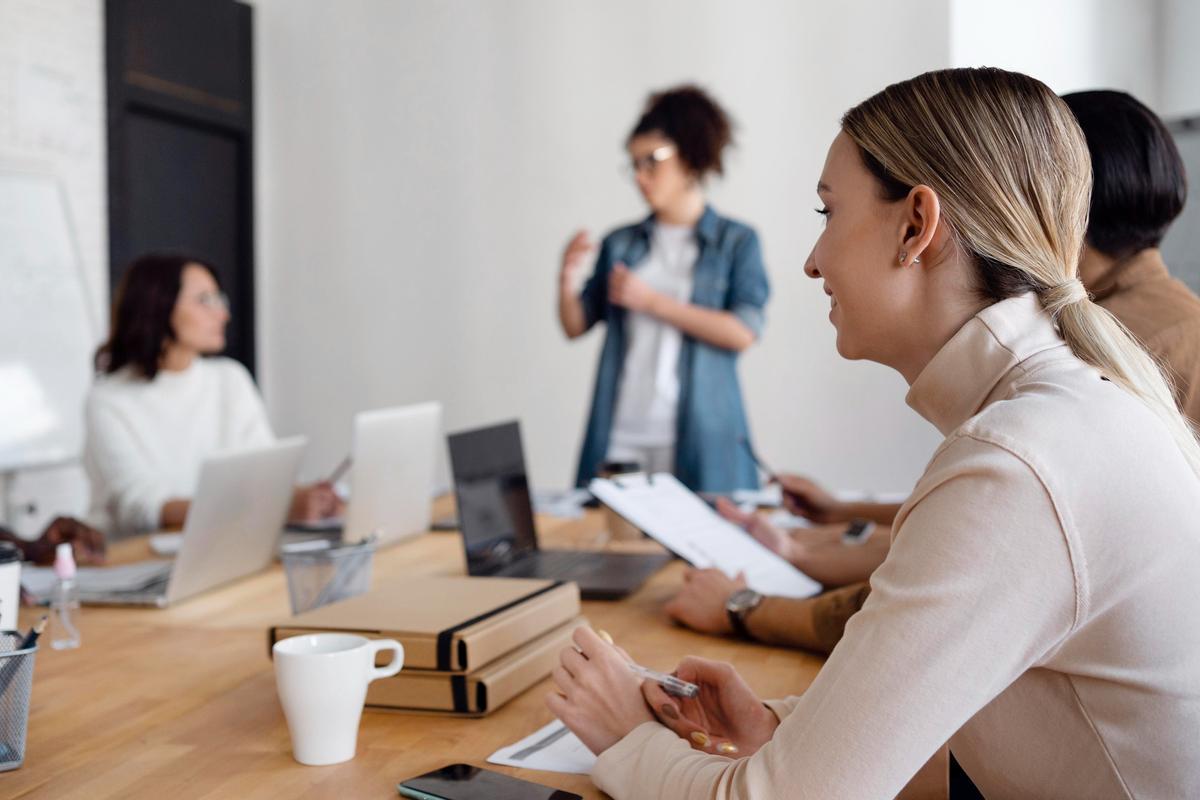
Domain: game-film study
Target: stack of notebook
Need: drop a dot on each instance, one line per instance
(470, 644)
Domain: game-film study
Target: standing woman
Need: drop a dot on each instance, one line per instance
(682, 294)
(160, 405)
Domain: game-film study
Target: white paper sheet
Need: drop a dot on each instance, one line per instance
(552, 748)
(683, 523)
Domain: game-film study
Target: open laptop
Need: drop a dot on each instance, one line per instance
(393, 458)
(232, 528)
(496, 520)
(391, 479)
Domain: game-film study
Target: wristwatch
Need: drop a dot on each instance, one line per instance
(859, 531)
(739, 604)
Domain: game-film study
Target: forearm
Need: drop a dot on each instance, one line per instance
(570, 313)
(814, 623)
(838, 564)
(709, 325)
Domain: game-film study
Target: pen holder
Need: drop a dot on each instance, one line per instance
(16, 683)
(319, 577)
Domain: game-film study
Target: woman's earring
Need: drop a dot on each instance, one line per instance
(917, 260)
(903, 255)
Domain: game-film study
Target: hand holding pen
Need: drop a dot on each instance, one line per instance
(801, 496)
(725, 717)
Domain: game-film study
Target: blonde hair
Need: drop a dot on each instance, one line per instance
(1012, 172)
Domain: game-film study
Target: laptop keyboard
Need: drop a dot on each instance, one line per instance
(562, 564)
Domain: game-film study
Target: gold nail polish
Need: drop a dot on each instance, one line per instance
(603, 634)
(700, 738)
(727, 748)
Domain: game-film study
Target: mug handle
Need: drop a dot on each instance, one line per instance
(390, 669)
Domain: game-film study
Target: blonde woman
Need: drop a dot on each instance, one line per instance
(1038, 606)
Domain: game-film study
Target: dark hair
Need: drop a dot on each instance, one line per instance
(691, 119)
(1139, 184)
(141, 312)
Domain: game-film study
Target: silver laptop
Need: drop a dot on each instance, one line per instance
(391, 479)
(232, 528)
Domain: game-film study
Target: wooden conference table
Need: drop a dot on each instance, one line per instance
(180, 703)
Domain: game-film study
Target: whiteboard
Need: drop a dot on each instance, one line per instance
(46, 331)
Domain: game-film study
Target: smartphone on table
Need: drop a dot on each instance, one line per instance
(465, 782)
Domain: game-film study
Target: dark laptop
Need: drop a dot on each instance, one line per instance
(496, 519)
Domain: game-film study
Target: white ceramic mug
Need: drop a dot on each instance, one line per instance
(322, 681)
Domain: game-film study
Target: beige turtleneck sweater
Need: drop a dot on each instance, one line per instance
(1039, 609)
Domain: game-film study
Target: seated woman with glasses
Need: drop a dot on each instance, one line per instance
(681, 294)
(159, 406)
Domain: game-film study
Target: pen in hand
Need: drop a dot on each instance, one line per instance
(339, 470)
(806, 508)
(669, 683)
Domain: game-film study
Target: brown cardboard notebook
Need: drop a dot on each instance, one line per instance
(453, 623)
(476, 693)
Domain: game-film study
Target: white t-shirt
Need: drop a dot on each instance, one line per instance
(145, 440)
(648, 397)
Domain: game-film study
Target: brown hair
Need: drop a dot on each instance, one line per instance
(141, 313)
(694, 121)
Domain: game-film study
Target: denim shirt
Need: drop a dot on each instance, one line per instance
(710, 455)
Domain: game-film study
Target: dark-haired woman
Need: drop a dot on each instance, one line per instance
(159, 406)
(682, 294)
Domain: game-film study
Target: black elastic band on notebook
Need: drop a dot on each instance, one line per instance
(458, 688)
(446, 637)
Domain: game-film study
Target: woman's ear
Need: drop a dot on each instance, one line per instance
(920, 225)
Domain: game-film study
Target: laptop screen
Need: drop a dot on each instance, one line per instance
(494, 511)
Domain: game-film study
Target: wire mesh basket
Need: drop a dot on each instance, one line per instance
(16, 683)
(318, 577)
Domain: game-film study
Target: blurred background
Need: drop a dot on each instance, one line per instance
(387, 188)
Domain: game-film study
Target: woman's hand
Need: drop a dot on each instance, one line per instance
(598, 696)
(821, 554)
(314, 503)
(573, 258)
(627, 290)
(776, 540)
(726, 718)
(805, 498)
(700, 603)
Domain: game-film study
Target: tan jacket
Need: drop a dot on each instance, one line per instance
(1165, 316)
(1039, 608)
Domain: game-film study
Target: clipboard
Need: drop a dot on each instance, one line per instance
(680, 521)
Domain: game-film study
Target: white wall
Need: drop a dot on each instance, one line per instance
(1180, 36)
(1070, 45)
(421, 164)
(52, 122)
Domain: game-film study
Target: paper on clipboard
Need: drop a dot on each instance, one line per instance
(683, 523)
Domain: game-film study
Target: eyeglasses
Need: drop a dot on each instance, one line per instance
(214, 301)
(649, 162)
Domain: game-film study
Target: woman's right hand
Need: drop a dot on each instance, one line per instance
(804, 498)
(314, 503)
(573, 258)
(725, 718)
